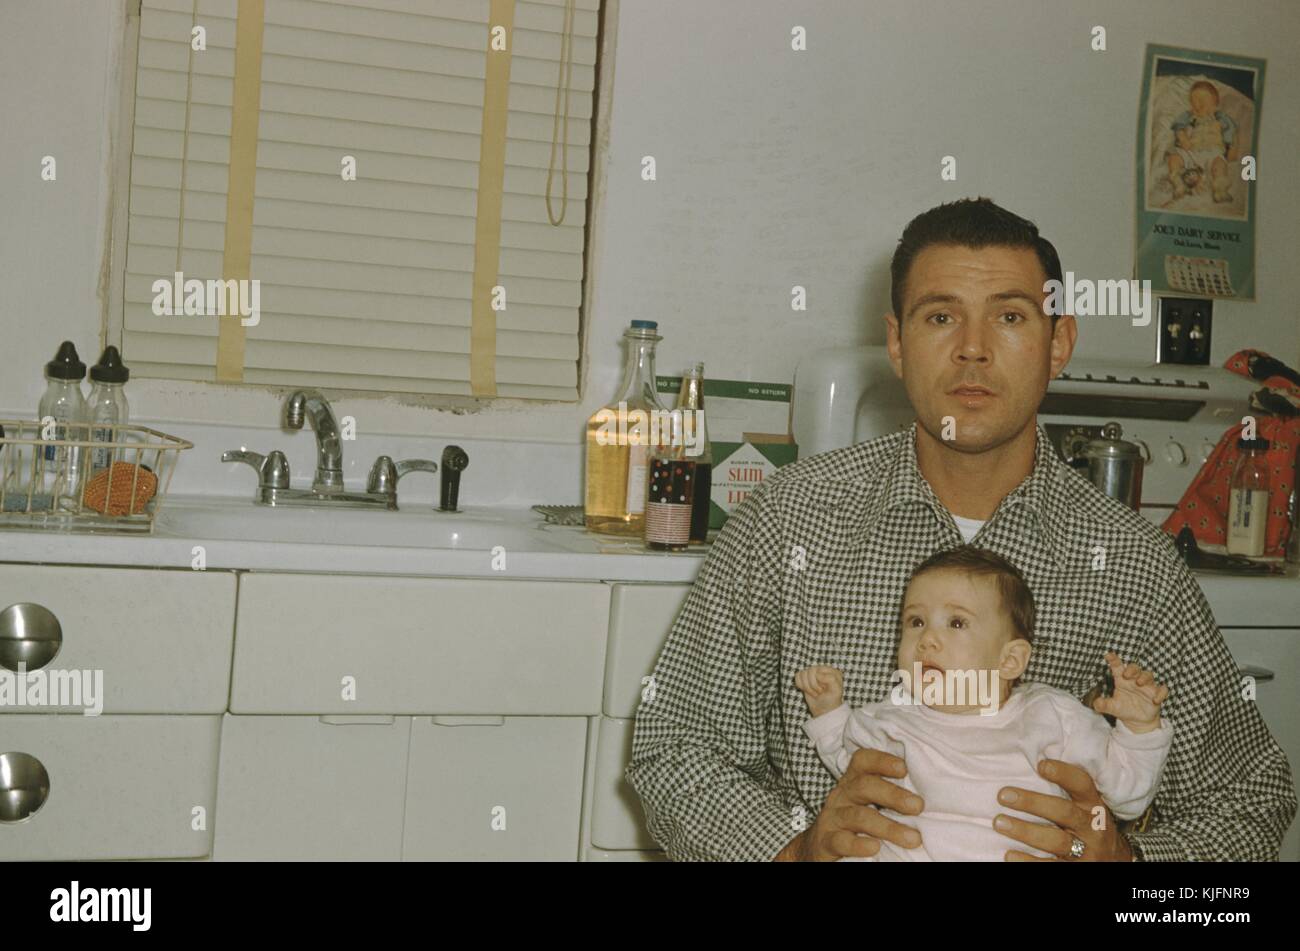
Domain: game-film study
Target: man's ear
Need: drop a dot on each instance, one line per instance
(1014, 659)
(1064, 337)
(894, 344)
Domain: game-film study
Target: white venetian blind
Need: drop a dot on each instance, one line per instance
(365, 284)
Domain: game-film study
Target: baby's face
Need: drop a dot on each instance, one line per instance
(954, 621)
(1202, 102)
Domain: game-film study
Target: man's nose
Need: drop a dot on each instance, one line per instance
(972, 343)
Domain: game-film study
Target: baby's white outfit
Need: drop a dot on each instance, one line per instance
(958, 762)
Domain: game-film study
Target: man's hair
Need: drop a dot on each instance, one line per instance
(1017, 600)
(972, 223)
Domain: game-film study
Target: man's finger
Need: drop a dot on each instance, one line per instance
(845, 843)
(878, 762)
(1073, 779)
(871, 790)
(1047, 838)
(870, 822)
(1063, 812)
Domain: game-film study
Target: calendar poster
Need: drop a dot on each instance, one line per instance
(1198, 135)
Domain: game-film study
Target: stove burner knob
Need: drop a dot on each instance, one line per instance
(1145, 450)
(1207, 448)
(1175, 453)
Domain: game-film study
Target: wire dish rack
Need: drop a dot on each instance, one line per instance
(92, 477)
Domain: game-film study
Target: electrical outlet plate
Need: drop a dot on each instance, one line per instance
(1183, 334)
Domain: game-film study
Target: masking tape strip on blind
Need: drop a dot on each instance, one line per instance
(242, 182)
(487, 228)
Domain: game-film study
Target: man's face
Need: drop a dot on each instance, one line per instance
(976, 349)
(953, 621)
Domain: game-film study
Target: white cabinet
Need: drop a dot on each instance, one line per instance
(640, 619)
(161, 637)
(418, 646)
(617, 820)
(494, 788)
(311, 788)
(119, 787)
(1275, 651)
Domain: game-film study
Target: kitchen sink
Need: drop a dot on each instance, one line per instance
(241, 520)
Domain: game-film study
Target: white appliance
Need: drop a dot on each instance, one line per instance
(1175, 414)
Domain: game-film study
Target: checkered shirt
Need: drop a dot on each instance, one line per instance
(811, 569)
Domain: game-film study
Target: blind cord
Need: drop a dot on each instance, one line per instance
(566, 70)
(185, 136)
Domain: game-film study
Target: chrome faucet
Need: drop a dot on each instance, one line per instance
(273, 480)
(329, 450)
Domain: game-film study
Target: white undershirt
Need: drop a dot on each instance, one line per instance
(967, 526)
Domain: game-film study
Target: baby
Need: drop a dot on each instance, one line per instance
(964, 727)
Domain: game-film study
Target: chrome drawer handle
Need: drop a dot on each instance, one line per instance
(1258, 674)
(30, 634)
(24, 786)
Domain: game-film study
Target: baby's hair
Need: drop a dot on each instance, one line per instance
(1017, 600)
(1207, 86)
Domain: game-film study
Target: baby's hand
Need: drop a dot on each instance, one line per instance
(1137, 697)
(823, 688)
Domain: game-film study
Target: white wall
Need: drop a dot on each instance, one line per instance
(775, 168)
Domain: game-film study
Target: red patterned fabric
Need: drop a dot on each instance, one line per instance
(1204, 506)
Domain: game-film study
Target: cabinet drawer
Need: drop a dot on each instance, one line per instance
(416, 645)
(311, 789)
(617, 819)
(495, 788)
(161, 637)
(640, 617)
(119, 787)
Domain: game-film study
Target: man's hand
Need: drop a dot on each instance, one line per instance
(847, 824)
(1072, 817)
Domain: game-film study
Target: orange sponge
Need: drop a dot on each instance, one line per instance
(146, 484)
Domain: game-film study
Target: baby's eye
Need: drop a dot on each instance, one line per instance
(913, 621)
(957, 622)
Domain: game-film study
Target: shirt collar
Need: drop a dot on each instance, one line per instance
(1041, 492)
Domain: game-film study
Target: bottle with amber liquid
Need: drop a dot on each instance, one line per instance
(620, 437)
(690, 403)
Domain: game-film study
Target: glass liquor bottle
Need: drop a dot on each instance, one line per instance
(690, 402)
(619, 438)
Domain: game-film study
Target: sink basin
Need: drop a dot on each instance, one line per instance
(242, 520)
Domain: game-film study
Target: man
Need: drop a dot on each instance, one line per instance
(811, 568)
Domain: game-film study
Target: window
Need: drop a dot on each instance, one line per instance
(382, 173)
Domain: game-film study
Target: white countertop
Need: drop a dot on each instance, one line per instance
(519, 536)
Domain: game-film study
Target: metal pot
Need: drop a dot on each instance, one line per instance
(1115, 466)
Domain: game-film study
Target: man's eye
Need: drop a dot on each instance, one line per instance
(1011, 313)
(944, 314)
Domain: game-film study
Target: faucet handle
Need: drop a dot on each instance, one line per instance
(385, 473)
(272, 469)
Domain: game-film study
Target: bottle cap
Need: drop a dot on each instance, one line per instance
(1259, 444)
(66, 365)
(110, 368)
(647, 324)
